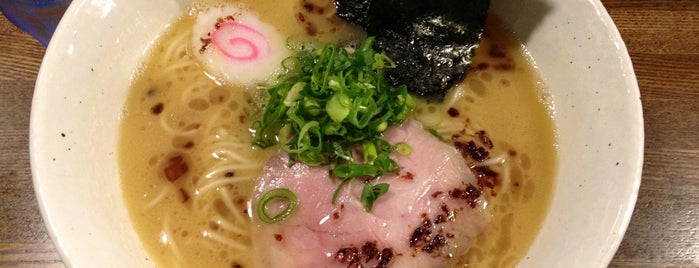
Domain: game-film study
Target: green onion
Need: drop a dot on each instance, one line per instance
(328, 97)
(349, 171)
(329, 101)
(369, 151)
(337, 190)
(403, 148)
(435, 134)
(272, 195)
(372, 192)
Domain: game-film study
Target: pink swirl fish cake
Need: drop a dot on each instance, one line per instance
(236, 47)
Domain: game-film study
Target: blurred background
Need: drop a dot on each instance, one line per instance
(35, 17)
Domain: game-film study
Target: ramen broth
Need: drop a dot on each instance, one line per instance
(188, 167)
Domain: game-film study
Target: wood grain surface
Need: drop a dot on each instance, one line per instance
(662, 38)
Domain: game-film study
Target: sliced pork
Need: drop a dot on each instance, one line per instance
(428, 217)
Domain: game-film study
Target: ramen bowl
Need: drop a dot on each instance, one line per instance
(98, 46)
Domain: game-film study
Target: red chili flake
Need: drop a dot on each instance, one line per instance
(458, 134)
(189, 145)
(497, 52)
(437, 194)
(157, 108)
(441, 218)
(370, 251)
(218, 23)
(278, 237)
(484, 139)
(453, 112)
(421, 233)
(470, 194)
(408, 176)
(437, 242)
(487, 178)
(423, 238)
(353, 256)
(308, 6)
(185, 195)
(385, 258)
(206, 42)
(176, 168)
(348, 256)
(301, 17)
(311, 29)
(470, 149)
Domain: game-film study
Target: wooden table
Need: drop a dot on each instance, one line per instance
(662, 37)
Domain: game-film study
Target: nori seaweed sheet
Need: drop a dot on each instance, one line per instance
(431, 41)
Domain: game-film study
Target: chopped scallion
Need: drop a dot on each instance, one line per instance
(329, 101)
(403, 148)
(272, 195)
(372, 192)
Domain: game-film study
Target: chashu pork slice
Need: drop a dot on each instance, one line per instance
(428, 218)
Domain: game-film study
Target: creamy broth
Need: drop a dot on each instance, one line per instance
(176, 114)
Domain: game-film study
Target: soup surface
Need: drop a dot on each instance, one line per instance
(188, 167)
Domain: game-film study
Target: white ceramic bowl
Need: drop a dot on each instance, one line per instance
(87, 69)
